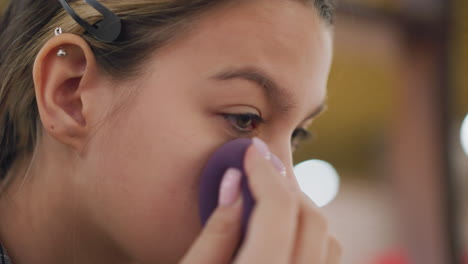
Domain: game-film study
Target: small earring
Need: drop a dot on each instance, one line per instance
(62, 52)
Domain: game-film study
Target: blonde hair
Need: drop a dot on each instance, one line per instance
(28, 24)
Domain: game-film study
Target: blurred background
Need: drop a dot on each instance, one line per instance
(398, 95)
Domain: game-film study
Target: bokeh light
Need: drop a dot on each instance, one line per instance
(464, 135)
(318, 179)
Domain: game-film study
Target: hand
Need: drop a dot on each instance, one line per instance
(285, 225)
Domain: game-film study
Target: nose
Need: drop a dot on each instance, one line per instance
(282, 153)
(290, 174)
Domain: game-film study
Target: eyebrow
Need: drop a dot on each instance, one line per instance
(276, 95)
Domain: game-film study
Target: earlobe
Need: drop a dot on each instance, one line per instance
(60, 84)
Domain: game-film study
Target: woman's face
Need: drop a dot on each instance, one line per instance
(144, 165)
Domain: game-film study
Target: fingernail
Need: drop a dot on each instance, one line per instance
(262, 148)
(229, 190)
(278, 164)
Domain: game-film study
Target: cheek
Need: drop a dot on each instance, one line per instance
(148, 164)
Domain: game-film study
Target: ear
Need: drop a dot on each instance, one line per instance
(64, 89)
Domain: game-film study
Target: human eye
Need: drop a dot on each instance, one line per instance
(299, 135)
(244, 124)
(247, 124)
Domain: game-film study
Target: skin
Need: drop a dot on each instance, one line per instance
(119, 184)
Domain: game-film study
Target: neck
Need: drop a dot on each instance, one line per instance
(43, 219)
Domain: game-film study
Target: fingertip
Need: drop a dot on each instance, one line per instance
(230, 187)
(261, 147)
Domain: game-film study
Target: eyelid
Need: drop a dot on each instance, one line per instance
(242, 109)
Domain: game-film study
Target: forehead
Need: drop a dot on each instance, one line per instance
(284, 38)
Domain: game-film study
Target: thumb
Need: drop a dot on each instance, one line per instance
(218, 240)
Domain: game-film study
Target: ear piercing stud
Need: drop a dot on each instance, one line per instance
(62, 52)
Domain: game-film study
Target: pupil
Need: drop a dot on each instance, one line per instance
(245, 121)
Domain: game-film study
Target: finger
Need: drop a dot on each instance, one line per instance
(272, 227)
(218, 240)
(334, 251)
(265, 181)
(312, 235)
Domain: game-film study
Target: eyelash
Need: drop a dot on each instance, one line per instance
(299, 134)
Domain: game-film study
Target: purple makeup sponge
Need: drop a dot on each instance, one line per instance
(229, 155)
